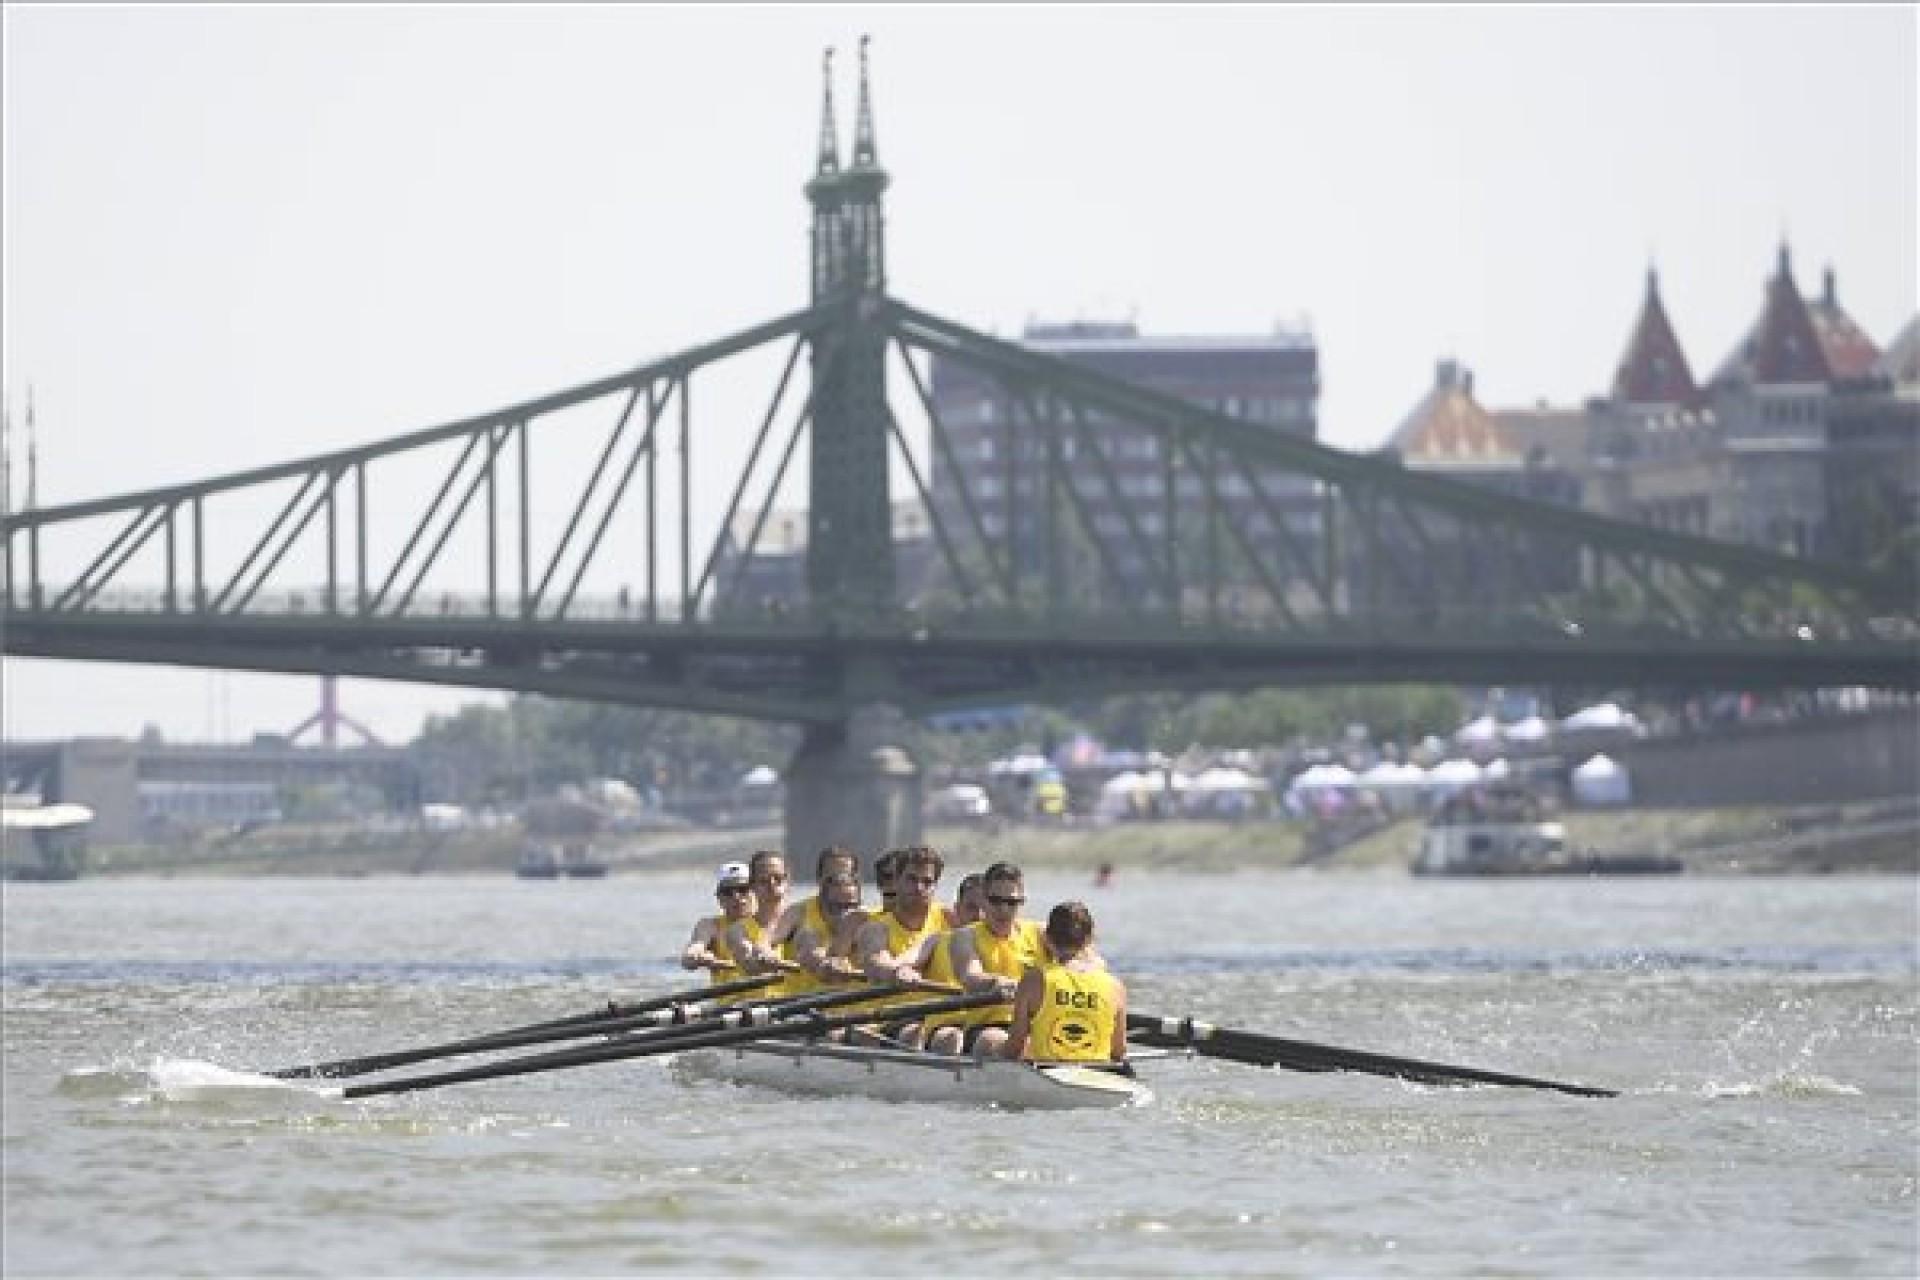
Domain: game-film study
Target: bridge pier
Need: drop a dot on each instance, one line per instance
(852, 784)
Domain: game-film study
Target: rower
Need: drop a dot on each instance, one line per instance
(760, 953)
(969, 901)
(825, 951)
(1070, 1009)
(708, 948)
(991, 954)
(833, 858)
(888, 940)
(886, 870)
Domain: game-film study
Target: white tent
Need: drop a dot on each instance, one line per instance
(1485, 729)
(1601, 715)
(1497, 770)
(1324, 777)
(1453, 775)
(1399, 786)
(1531, 729)
(1224, 792)
(1219, 779)
(1125, 793)
(1601, 781)
(759, 776)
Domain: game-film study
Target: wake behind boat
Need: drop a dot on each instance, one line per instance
(910, 1075)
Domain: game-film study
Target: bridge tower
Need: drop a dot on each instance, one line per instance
(850, 783)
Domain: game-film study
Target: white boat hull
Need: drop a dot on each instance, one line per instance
(901, 1075)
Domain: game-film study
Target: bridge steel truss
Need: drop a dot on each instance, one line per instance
(1243, 558)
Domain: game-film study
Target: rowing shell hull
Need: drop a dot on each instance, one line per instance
(895, 1075)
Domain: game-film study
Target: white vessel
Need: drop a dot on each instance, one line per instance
(907, 1075)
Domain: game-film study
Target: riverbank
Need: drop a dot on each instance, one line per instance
(1830, 839)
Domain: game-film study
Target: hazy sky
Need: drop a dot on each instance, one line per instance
(235, 236)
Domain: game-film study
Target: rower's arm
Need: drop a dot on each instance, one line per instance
(699, 953)
(788, 925)
(1026, 999)
(967, 969)
(1118, 1049)
(877, 960)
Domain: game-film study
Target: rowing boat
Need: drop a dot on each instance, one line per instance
(909, 1075)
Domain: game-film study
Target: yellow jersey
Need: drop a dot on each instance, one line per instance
(1075, 1020)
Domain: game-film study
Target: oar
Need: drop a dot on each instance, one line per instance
(1262, 1050)
(584, 1024)
(738, 1027)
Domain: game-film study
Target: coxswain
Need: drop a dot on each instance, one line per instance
(1070, 1009)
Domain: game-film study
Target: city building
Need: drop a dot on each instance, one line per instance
(1805, 438)
(1119, 480)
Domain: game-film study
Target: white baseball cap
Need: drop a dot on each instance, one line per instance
(732, 873)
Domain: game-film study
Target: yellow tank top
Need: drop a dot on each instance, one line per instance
(1008, 957)
(901, 939)
(1074, 1022)
(722, 949)
(814, 921)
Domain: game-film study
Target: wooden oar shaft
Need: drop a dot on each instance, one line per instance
(1257, 1048)
(615, 1016)
(751, 1025)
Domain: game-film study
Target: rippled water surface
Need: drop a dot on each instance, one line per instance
(1762, 1032)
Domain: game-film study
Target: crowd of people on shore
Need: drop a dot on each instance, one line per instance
(1057, 1001)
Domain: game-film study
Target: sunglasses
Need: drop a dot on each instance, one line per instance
(919, 880)
(1002, 900)
(732, 891)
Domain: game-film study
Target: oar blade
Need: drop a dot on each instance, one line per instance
(1258, 1049)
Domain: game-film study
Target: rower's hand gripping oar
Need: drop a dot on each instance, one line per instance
(738, 1026)
(1257, 1049)
(615, 1017)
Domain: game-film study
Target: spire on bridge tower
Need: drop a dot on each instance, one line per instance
(828, 163)
(865, 154)
(849, 245)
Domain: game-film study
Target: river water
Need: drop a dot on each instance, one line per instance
(1762, 1033)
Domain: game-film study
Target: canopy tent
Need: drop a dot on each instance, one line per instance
(1324, 777)
(1531, 729)
(1399, 786)
(1482, 730)
(1131, 794)
(1601, 715)
(1601, 782)
(1453, 775)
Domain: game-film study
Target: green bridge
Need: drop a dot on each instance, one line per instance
(616, 541)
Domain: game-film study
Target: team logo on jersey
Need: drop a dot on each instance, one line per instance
(1073, 1035)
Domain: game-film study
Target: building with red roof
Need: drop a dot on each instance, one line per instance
(1805, 439)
